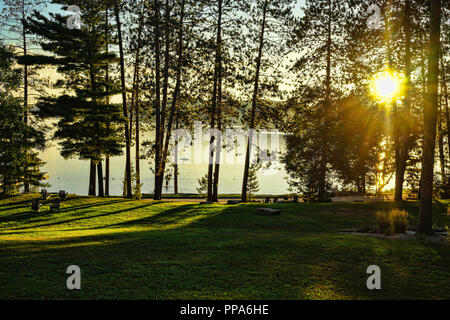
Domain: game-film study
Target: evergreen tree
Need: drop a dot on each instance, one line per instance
(88, 125)
(19, 164)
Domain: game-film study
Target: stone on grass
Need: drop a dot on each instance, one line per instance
(267, 212)
(234, 201)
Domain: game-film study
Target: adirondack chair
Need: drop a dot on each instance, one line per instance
(55, 205)
(45, 194)
(35, 205)
(63, 195)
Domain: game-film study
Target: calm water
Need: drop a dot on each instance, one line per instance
(73, 175)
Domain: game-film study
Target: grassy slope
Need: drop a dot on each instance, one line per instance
(150, 250)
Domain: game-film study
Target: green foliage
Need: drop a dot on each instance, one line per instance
(89, 126)
(18, 163)
(203, 184)
(253, 185)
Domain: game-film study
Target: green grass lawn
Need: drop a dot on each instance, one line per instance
(163, 250)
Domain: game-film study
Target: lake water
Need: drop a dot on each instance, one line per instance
(73, 175)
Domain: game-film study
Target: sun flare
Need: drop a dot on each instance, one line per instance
(387, 86)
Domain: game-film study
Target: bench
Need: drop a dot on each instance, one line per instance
(45, 194)
(63, 195)
(413, 196)
(55, 205)
(35, 205)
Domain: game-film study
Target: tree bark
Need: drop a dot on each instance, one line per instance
(440, 139)
(136, 104)
(92, 179)
(430, 113)
(254, 104)
(405, 133)
(176, 91)
(217, 62)
(107, 162)
(158, 184)
(107, 168)
(324, 150)
(25, 74)
(101, 192)
(124, 102)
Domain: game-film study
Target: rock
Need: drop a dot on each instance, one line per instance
(234, 201)
(207, 202)
(267, 212)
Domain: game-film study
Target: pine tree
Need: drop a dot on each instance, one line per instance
(19, 164)
(89, 125)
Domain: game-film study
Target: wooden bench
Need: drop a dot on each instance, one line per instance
(45, 194)
(35, 205)
(55, 205)
(63, 195)
(413, 196)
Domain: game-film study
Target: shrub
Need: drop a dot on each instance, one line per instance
(394, 221)
(384, 222)
(399, 221)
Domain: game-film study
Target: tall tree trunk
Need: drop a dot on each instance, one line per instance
(107, 162)
(175, 166)
(159, 175)
(326, 109)
(215, 196)
(101, 192)
(215, 191)
(440, 135)
(92, 179)
(107, 177)
(405, 136)
(445, 96)
(176, 92)
(254, 104)
(158, 184)
(137, 102)
(217, 62)
(25, 83)
(124, 102)
(430, 112)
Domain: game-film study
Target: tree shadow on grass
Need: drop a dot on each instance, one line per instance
(256, 264)
(84, 218)
(170, 216)
(31, 214)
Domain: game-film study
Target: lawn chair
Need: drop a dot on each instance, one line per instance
(63, 195)
(275, 199)
(267, 200)
(35, 205)
(45, 194)
(55, 205)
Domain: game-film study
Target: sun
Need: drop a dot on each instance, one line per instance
(387, 86)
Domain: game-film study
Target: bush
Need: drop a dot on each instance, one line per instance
(394, 221)
(399, 220)
(384, 222)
